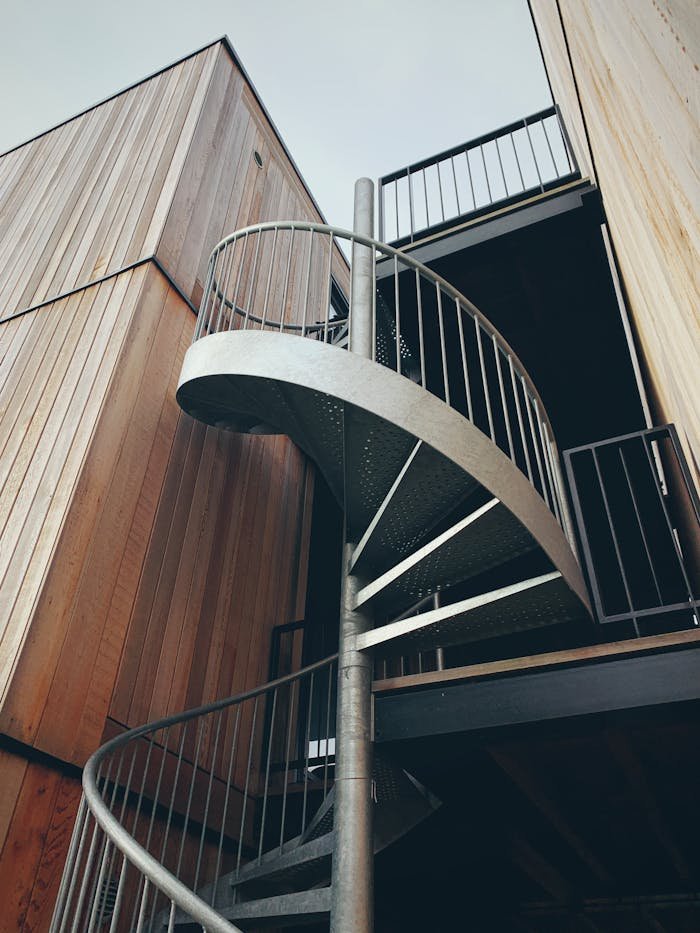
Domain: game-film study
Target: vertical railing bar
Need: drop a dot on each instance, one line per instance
(471, 180)
(307, 753)
(328, 729)
(226, 258)
(517, 160)
(443, 348)
(267, 774)
(568, 148)
(294, 685)
(116, 910)
(306, 286)
(142, 909)
(97, 886)
(545, 494)
(206, 295)
(171, 806)
(127, 791)
(226, 267)
(410, 201)
(669, 523)
(421, 338)
(396, 204)
(397, 315)
(283, 307)
(534, 157)
(486, 174)
(560, 487)
(263, 316)
(641, 524)
(374, 305)
(465, 367)
(88, 861)
(234, 297)
(500, 162)
(229, 273)
(549, 146)
(425, 194)
(253, 279)
(547, 464)
(329, 288)
(502, 390)
(156, 796)
(454, 178)
(227, 795)
(65, 890)
(442, 203)
(247, 784)
(382, 196)
(171, 917)
(484, 380)
(608, 514)
(521, 426)
(208, 799)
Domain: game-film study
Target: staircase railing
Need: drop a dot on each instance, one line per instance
(281, 276)
(191, 799)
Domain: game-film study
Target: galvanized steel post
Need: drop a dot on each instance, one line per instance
(352, 900)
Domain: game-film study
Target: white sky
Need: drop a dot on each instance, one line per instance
(355, 88)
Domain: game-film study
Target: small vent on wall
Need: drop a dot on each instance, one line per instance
(258, 159)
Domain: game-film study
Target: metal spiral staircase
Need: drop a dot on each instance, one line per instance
(436, 444)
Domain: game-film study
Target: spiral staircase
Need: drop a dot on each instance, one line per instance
(437, 446)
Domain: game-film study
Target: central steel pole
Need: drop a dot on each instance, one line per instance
(352, 894)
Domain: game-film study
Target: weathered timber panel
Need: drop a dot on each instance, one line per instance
(636, 66)
(148, 579)
(222, 188)
(56, 368)
(92, 195)
(38, 804)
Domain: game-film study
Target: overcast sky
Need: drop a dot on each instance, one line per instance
(355, 88)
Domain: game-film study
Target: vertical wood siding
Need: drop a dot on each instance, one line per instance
(636, 65)
(92, 195)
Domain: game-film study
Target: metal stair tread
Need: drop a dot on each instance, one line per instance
(274, 863)
(425, 490)
(297, 906)
(487, 537)
(520, 606)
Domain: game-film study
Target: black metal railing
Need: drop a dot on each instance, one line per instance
(500, 168)
(638, 519)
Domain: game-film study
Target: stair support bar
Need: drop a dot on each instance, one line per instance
(352, 889)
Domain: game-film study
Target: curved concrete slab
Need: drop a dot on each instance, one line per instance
(242, 359)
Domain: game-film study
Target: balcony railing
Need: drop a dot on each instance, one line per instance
(492, 171)
(638, 514)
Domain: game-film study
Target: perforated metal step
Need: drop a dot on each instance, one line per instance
(532, 603)
(426, 489)
(487, 537)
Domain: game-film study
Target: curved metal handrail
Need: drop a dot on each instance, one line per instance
(524, 431)
(83, 905)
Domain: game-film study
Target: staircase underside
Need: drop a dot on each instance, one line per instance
(329, 401)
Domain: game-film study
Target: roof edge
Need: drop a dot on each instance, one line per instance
(228, 45)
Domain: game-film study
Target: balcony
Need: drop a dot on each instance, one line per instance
(487, 175)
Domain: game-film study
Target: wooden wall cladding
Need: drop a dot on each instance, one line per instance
(222, 188)
(56, 383)
(165, 168)
(92, 195)
(636, 67)
(38, 804)
(174, 549)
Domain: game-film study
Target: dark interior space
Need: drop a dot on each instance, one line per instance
(547, 287)
(585, 824)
